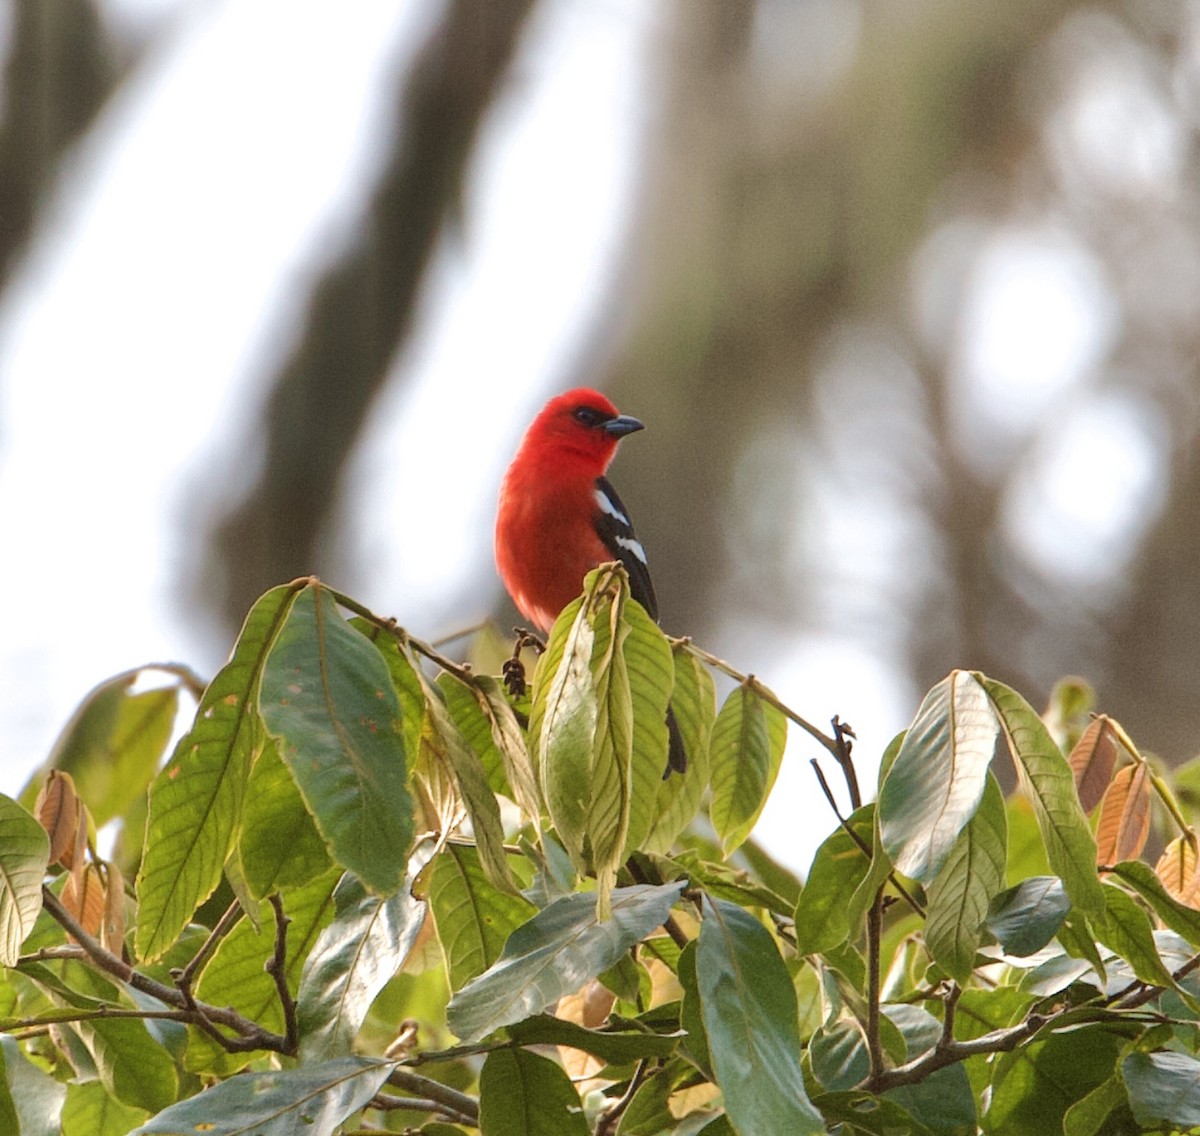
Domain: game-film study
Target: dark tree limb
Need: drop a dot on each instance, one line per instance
(362, 309)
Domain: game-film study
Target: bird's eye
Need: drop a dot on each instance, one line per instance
(590, 416)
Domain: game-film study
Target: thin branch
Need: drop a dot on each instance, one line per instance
(763, 692)
(385, 1102)
(845, 736)
(277, 968)
(250, 1034)
(874, 942)
(183, 978)
(444, 1095)
(863, 846)
(614, 1111)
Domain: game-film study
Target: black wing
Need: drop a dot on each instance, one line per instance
(615, 529)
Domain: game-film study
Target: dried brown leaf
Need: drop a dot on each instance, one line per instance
(1176, 868)
(1124, 816)
(83, 897)
(60, 812)
(1093, 760)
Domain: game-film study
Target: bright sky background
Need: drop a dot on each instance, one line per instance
(107, 430)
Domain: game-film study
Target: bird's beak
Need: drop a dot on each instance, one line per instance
(619, 427)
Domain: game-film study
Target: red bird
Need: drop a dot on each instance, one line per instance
(559, 516)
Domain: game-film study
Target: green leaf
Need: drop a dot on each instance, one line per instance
(407, 682)
(614, 1046)
(9, 1120)
(839, 866)
(280, 846)
(235, 975)
(314, 1100)
(748, 738)
(91, 1111)
(937, 780)
(1125, 928)
(554, 954)
(650, 666)
(749, 1008)
(649, 1112)
(1047, 779)
(677, 798)
(1164, 1088)
(522, 1094)
(864, 1114)
(691, 1016)
(1182, 920)
(1035, 1085)
(473, 918)
(327, 699)
(510, 741)
(466, 709)
(609, 809)
(838, 1052)
(1104, 1110)
(24, 854)
(1026, 917)
(112, 745)
(353, 959)
(196, 800)
(30, 1100)
(562, 727)
(957, 902)
(483, 810)
(133, 1065)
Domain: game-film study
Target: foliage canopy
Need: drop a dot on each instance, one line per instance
(378, 891)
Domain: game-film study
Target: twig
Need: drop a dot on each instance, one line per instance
(444, 1095)
(385, 1102)
(614, 1111)
(276, 967)
(874, 941)
(863, 846)
(250, 1034)
(763, 692)
(454, 636)
(845, 736)
(183, 978)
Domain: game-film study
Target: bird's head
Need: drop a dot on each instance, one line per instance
(581, 423)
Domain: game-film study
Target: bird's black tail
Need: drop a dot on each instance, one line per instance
(676, 754)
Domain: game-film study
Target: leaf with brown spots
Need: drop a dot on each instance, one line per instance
(1124, 816)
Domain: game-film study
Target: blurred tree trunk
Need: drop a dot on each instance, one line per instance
(362, 309)
(782, 208)
(60, 71)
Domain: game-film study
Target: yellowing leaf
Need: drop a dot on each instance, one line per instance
(1124, 816)
(1092, 761)
(1176, 868)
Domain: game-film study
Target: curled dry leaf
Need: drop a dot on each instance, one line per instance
(1124, 816)
(83, 896)
(1176, 868)
(1093, 760)
(60, 812)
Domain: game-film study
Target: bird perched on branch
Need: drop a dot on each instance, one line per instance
(559, 517)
